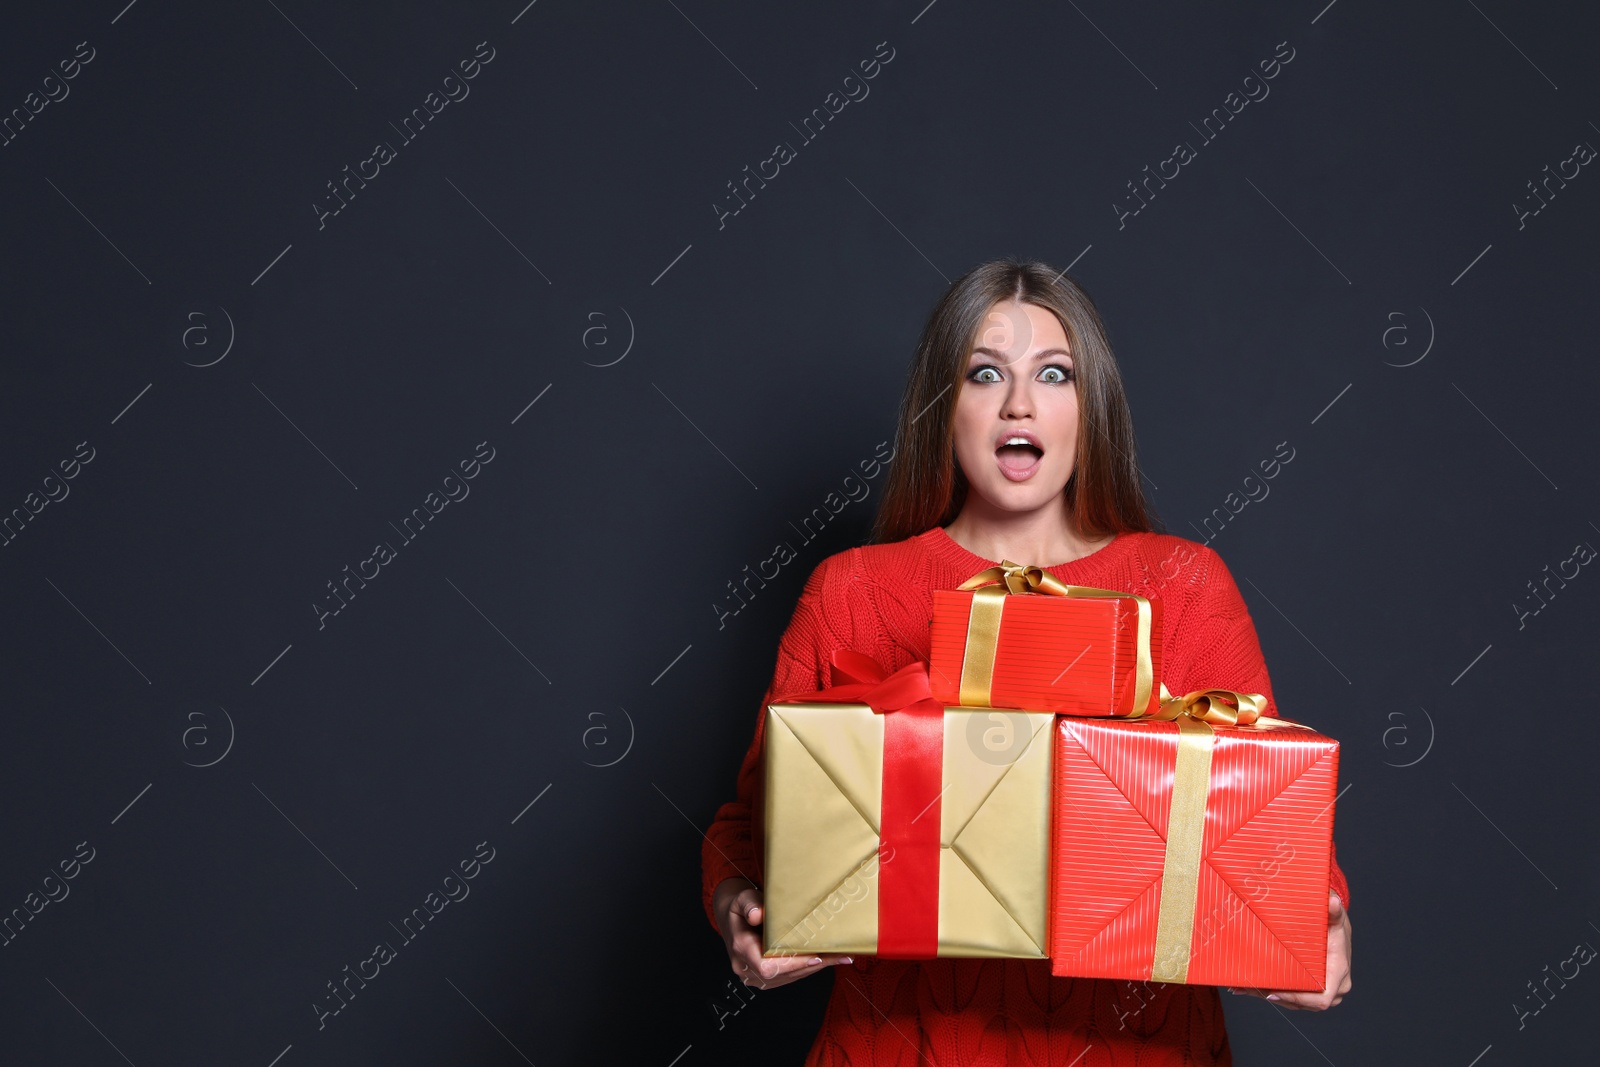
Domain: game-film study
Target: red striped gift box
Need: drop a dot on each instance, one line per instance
(1244, 903)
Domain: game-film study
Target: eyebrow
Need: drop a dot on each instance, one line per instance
(1043, 352)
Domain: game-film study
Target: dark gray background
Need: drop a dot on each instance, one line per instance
(1359, 216)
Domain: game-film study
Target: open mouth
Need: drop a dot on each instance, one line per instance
(1018, 458)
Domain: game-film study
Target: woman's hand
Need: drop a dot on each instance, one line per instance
(1338, 980)
(737, 904)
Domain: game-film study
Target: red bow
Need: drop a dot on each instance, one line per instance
(859, 679)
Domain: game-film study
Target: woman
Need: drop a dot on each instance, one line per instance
(1014, 442)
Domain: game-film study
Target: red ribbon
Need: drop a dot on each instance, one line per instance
(913, 762)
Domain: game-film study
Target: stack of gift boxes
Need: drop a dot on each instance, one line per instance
(1034, 790)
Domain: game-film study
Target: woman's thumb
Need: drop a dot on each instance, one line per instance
(753, 914)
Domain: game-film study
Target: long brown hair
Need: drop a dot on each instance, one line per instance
(926, 487)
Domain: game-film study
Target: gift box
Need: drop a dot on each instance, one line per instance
(892, 825)
(1193, 846)
(1018, 637)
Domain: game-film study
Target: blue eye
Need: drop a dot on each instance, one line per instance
(1055, 374)
(978, 375)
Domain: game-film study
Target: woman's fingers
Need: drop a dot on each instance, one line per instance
(1298, 1001)
(744, 915)
(1309, 1001)
(1338, 983)
(767, 972)
(744, 935)
(745, 945)
(1294, 1000)
(746, 907)
(771, 972)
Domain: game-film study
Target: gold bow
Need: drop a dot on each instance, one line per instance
(1017, 578)
(990, 588)
(1194, 713)
(1221, 707)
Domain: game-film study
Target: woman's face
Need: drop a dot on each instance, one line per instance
(1016, 414)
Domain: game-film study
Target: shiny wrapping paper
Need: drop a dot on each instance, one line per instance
(1246, 906)
(1045, 646)
(830, 880)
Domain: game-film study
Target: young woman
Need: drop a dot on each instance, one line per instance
(1014, 442)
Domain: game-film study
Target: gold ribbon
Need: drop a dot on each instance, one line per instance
(1195, 713)
(990, 589)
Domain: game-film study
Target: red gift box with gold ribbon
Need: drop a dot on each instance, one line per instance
(1015, 636)
(1193, 845)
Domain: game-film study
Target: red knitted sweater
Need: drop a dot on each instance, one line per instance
(877, 599)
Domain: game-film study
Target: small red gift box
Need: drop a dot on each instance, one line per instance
(1188, 849)
(1018, 637)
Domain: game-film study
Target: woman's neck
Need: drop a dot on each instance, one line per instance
(1044, 537)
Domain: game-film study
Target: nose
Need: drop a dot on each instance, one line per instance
(1018, 402)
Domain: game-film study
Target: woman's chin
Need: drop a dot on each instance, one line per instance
(1005, 495)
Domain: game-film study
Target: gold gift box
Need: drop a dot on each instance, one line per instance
(822, 786)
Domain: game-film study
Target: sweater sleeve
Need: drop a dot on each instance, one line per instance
(1227, 655)
(802, 666)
